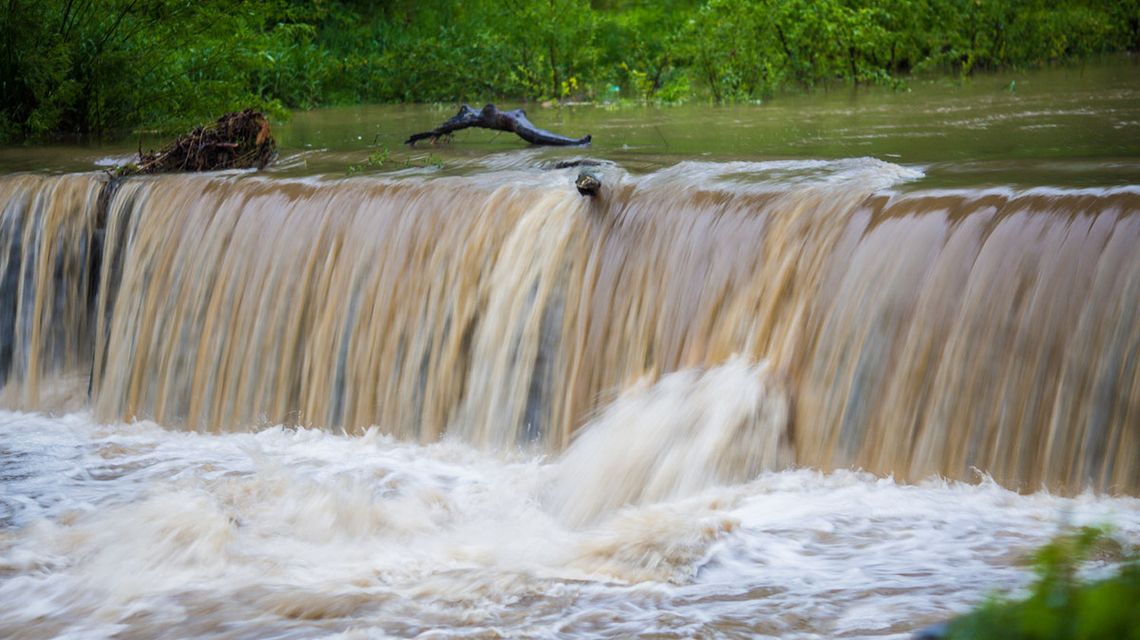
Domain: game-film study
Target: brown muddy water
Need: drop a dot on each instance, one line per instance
(829, 366)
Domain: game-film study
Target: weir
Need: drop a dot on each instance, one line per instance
(909, 332)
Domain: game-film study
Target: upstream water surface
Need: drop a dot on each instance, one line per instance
(827, 367)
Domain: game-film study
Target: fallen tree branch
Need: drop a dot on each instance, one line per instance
(489, 117)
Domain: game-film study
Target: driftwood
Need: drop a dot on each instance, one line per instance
(489, 117)
(239, 140)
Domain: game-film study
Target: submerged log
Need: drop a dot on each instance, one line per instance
(239, 140)
(489, 117)
(579, 162)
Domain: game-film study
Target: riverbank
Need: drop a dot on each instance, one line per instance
(85, 67)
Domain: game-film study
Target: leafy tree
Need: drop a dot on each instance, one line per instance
(92, 66)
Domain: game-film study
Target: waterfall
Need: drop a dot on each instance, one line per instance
(908, 332)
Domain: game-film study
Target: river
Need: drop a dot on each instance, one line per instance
(829, 366)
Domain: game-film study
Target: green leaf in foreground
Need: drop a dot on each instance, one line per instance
(1061, 606)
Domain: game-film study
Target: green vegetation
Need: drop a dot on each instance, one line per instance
(93, 66)
(1060, 606)
(383, 156)
(375, 160)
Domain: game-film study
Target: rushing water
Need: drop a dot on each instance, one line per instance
(832, 373)
(136, 531)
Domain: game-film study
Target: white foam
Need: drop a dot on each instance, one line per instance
(135, 530)
(689, 432)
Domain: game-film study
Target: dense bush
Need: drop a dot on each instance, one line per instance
(82, 66)
(95, 65)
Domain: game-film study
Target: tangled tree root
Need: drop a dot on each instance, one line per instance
(239, 140)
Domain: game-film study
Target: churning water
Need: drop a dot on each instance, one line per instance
(135, 531)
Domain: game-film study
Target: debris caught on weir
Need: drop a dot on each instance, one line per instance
(239, 140)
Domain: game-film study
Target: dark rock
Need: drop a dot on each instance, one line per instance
(588, 184)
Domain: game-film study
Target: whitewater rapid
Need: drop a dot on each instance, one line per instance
(134, 531)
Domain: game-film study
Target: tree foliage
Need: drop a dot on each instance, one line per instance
(83, 66)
